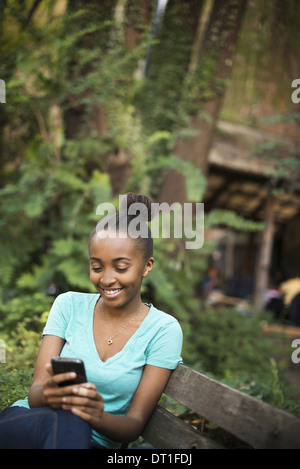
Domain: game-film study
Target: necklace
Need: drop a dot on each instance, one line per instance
(110, 337)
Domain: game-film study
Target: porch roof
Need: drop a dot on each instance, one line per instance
(240, 182)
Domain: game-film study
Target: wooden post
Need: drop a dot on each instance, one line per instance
(229, 262)
(265, 253)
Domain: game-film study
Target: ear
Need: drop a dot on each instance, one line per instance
(148, 267)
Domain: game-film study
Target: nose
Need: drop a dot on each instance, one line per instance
(108, 278)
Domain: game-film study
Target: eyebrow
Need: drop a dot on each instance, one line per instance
(114, 260)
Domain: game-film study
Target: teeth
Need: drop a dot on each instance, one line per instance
(112, 292)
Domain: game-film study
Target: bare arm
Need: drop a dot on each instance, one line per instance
(51, 346)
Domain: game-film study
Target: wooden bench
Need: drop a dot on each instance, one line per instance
(253, 422)
(289, 331)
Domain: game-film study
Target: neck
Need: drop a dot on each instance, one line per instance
(130, 308)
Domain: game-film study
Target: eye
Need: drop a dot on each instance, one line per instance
(96, 269)
(121, 269)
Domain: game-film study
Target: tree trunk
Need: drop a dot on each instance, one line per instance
(168, 64)
(102, 11)
(265, 252)
(167, 68)
(214, 68)
(128, 20)
(205, 88)
(138, 14)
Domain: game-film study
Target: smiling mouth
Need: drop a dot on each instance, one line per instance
(112, 293)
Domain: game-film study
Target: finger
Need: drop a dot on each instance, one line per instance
(61, 377)
(81, 391)
(87, 385)
(80, 413)
(69, 401)
(90, 415)
(60, 396)
(86, 392)
(83, 405)
(83, 399)
(51, 386)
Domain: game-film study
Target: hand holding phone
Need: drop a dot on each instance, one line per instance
(83, 399)
(67, 365)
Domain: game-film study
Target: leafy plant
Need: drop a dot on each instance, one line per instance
(61, 85)
(21, 349)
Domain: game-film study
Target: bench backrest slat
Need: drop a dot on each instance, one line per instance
(251, 420)
(166, 431)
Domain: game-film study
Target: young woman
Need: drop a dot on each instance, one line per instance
(129, 349)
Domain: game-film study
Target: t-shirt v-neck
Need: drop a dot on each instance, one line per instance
(131, 339)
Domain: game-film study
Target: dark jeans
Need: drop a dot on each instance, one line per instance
(43, 428)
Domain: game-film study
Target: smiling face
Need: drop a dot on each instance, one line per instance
(117, 269)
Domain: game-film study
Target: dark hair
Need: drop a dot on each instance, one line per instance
(121, 220)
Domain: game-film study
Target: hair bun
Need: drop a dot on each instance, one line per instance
(143, 210)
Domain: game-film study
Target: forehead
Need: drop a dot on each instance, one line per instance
(113, 247)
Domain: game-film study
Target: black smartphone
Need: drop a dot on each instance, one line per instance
(65, 365)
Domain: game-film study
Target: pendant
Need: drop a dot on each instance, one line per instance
(109, 341)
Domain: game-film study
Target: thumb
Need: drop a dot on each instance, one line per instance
(48, 367)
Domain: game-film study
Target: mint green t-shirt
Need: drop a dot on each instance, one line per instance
(157, 342)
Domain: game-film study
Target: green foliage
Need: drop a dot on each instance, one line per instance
(278, 396)
(27, 309)
(232, 348)
(14, 385)
(54, 176)
(21, 347)
(224, 332)
(271, 386)
(283, 157)
(232, 220)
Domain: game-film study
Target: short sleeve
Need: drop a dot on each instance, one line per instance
(164, 350)
(59, 317)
